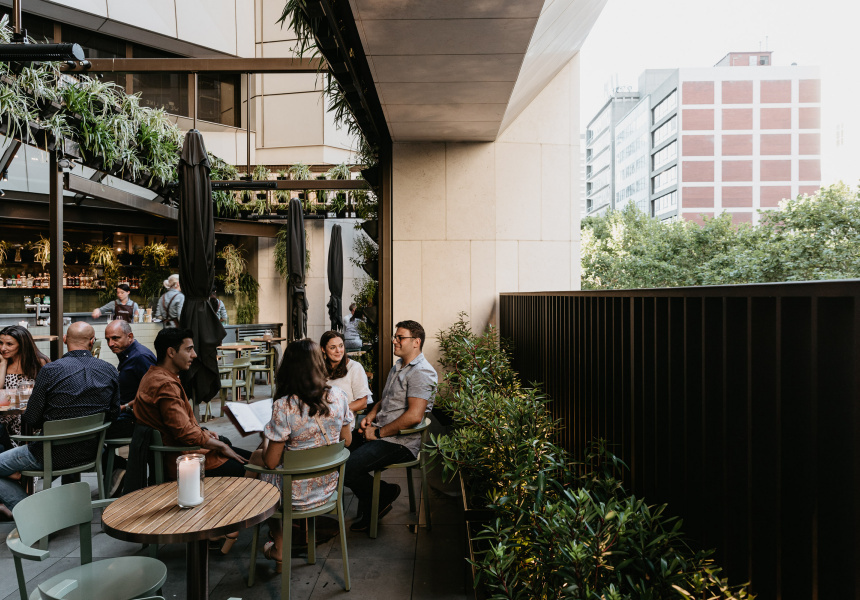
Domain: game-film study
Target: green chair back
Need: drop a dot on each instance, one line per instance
(298, 465)
(51, 510)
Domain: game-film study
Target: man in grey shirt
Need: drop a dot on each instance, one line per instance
(408, 394)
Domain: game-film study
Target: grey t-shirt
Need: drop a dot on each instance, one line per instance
(416, 380)
(111, 308)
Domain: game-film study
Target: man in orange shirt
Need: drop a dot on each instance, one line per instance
(161, 403)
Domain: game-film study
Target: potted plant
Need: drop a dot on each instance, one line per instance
(338, 205)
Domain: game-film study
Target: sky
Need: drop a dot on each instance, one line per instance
(633, 35)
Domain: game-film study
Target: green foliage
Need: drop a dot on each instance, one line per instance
(225, 200)
(236, 265)
(560, 529)
(156, 259)
(364, 249)
(808, 238)
(104, 256)
(282, 264)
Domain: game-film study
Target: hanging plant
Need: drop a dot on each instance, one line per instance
(42, 250)
(235, 266)
(4, 246)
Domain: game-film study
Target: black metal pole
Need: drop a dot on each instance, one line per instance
(56, 268)
(248, 123)
(16, 16)
(194, 76)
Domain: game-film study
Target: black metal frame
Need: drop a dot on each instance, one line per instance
(737, 405)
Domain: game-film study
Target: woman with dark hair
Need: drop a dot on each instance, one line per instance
(344, 373)
(20, 362)
(307, 413)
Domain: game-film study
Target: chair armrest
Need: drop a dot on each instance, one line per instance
(258, 469)
(174, 448)
(21, 550)
(332, 464)
(418, 428)
(59, 436)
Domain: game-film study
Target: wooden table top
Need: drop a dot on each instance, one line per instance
(239, 347)
(272, 339)
(151, 515)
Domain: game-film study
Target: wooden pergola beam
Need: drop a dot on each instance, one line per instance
(200, 65)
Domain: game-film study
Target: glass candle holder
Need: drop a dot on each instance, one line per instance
(189, 475)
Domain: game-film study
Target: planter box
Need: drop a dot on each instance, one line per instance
(475, 519)
(371, 228)
(371, 268)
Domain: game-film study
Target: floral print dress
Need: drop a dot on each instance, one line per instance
(12, 423)
(291, 424)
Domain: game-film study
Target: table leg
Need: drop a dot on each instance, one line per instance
(197, 570)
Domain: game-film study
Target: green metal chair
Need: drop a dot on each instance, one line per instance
(421, 463)
(267, 367)
(305, 464)
(69, 431)
(240, 377)
(54, 509)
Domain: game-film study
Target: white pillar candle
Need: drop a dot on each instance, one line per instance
(188, 474)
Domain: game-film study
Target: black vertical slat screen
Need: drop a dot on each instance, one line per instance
(736, 405)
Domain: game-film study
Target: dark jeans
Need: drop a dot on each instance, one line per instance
(364, 458)
(231, 468)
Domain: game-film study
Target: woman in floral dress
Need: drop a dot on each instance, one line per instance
(20, 362)
(307, 413)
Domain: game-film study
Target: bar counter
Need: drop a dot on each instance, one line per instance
(143, 332)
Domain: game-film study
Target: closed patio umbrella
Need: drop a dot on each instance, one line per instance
(296, 261)
(335, 279)
(197, 267)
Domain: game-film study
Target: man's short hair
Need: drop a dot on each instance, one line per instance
(414, 328)
(122, 324)
(169, 337)
(124, 287)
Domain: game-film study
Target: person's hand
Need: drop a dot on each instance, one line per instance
(370, 433)
(211, 434)
(97, 313)
(3, 361)
(230, 453)
(363, 425)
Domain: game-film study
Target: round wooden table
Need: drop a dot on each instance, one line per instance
(151, 516)
(238, 348)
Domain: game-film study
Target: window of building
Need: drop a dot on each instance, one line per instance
(666, 202)
(763, 60)
(664, 179)
(665, 130)
(97, 45)
(665, 155)
(667, 105)
(38, 28)
(219, 99)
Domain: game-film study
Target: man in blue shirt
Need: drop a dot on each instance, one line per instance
(76, 385)
(134, 361)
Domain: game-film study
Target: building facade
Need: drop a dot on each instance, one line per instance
(737, 137)
(600, 164)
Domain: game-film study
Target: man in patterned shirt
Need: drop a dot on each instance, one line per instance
(76, 385)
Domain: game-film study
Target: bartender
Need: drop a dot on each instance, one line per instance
(122, 308)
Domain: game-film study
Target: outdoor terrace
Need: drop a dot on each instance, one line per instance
(411, 562)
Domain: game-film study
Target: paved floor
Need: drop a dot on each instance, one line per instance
(405, 562)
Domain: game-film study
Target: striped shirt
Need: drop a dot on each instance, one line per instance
(76, 385)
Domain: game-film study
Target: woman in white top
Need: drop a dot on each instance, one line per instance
(344, 373)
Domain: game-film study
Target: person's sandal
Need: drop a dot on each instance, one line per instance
(269, 552)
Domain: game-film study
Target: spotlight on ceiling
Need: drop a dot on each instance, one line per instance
(41, 52)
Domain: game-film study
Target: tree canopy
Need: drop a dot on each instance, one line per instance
(807, 238)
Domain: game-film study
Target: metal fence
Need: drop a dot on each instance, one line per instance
(737, 405)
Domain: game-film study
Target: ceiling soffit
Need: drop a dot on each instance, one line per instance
(454, 70)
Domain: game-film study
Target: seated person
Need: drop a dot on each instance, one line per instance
(161, 404)
(76, 385)
(307, 414)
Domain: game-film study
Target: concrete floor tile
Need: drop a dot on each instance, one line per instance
(32, 572)
(441, 541)
(370, 579)
(105, 546)
(394, 541)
